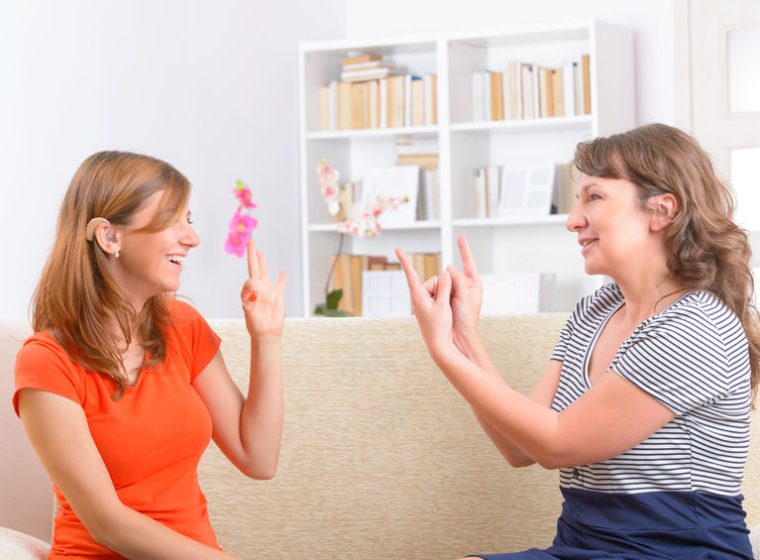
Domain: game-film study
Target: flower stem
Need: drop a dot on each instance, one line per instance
(335, 262)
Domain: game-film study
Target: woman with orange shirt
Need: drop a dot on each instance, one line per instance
(122, 386)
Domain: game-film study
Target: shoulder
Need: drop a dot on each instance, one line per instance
(698, 315)
(178, 310)
(43, 349)
(597, 304)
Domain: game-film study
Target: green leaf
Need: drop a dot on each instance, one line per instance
(333, 299)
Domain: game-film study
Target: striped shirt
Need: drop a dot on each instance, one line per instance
(692, 357)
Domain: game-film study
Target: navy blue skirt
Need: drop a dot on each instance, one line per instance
(647, 526)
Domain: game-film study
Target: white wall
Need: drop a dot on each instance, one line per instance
(208, 85)
(211, 86)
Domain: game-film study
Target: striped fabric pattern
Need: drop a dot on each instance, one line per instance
(692, 357)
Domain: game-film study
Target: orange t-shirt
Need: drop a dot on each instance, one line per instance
(151, 439)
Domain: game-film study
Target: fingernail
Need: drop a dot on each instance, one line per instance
(253, 297)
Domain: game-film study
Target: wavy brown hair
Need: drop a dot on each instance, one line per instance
(708, 251)
(76, 299)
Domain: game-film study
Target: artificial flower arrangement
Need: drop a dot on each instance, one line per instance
(358, 220)
(242, 224)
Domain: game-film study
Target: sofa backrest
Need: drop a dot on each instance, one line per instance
(26, 496)
(381, 458)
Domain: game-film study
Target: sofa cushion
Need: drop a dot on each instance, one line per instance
(15, 545)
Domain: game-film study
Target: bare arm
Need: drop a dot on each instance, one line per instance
(594, 428)
(58, 430)
(543, 395)
(249, 430)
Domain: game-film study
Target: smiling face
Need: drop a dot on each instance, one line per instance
(150, 263)
(613, 230)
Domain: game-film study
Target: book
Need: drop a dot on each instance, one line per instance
(341, 279)
(558, 99)
(481, 205)
(324, 101)
(430, 85)
(432, 264)
(365, 65)
(497, 96)
(423, 161)
(376, 262)
(407, 100)
(383, 100)
(546, 106)
(493, 194)
(418, 102)
(364, 75)
(586, 65)
(374, 104)
(360, 58)
(344, 105)
(568, 88)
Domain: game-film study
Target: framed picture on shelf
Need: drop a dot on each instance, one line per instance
(401, 181)
(526, 189)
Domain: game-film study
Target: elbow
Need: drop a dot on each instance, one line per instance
(103, 528)
(260, 472)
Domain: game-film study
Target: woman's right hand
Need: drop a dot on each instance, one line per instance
(263, 302)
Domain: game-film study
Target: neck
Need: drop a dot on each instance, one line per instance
(643, 300)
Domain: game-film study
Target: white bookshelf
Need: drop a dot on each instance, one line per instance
(515, 244)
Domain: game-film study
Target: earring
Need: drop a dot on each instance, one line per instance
(116, 253)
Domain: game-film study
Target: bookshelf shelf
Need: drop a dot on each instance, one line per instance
(551, 219)
(579, 122)
(414, 225)
(464, 144)
(374, 133)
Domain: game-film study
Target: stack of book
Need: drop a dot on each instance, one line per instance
(530, 91)
(348, 274)
(364, 67)
(422, 153)
(372, 94)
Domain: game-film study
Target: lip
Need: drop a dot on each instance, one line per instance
(586, 244)
(180, 256)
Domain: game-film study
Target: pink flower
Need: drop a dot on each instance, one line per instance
(243, 194)
(235, 244)
(242, 225)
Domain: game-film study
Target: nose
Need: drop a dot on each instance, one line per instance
(190, 237)
(576, 221)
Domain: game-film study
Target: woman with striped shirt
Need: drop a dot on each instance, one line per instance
(645, 405)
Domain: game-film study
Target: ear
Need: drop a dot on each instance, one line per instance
(663, 208)
(107, 238)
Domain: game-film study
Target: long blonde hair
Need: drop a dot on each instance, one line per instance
(76, 299)
(707, 249)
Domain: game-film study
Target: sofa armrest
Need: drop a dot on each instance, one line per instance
(20, 546)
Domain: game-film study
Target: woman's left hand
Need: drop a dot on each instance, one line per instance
(432, 307)
(263, 302)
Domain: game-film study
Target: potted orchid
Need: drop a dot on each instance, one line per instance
(356, 220)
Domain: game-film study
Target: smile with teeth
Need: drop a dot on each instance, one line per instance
(586, 242)
(176, 259)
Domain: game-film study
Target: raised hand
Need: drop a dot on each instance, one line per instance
(263, 302)
(431, 305)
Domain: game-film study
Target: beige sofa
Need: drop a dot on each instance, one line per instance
(381, 458)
